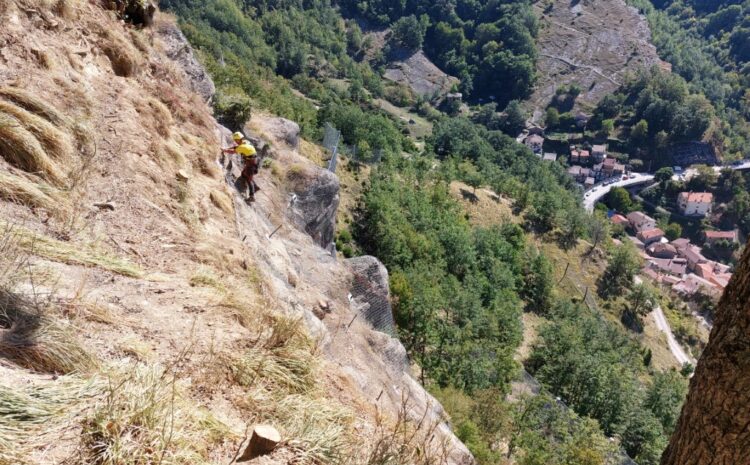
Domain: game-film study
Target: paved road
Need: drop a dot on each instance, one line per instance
(661, 322)
(597, 192)
(674, 346)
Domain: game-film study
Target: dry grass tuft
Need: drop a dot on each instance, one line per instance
(43, 246)
(283, 357)
(318, 430)
(55, 142)
(34, 416)
(125, 58)
(34, 340)
(23, 150)
(34, 104)
(15, 188)
(400, 440)
(67, 9)
(204, 277)
(222, 201)
(144, 418)
(162, 117)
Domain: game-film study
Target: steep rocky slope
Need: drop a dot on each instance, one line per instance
(147, 313)
(590, 43)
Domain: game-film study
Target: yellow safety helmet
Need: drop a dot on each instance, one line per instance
(246, 149)
(238, 136)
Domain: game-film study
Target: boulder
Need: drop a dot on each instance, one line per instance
(371, 293)
(316, 199)
(178, 49)
(286, 130)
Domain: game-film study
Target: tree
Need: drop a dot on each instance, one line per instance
(619, 199)
(538, 285)
(643, 439)
(470, 175)
(409, 31)
(598, 230)
(639, 133)
(705, 180)
(620, 271)
(608, 126)
(663, 175)
(665, 398)
(515, 119)
(673, 231)
(552, 118)
(641, 300)
(713, 425)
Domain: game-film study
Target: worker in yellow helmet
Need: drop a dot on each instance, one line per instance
(249, 155)
(238, 138)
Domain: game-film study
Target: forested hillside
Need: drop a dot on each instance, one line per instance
(475, 41)
(707, 43)
(460, 290)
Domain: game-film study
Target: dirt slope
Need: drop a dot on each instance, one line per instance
(147, 313)
(590, 43)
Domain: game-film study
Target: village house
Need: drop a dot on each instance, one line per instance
(535, 143)
(712, 237)
(695, 203)
(599, 152)
(648, 236)
(636, 242)
(704, 270)
(578, 173)
(680, 243)
(693, 283)
(575, 154)
(619, 219)
(550, 156)
(675, 267)
(589, 182)
(639, 221)
(660, 250)
(692, 255)
(610, 168)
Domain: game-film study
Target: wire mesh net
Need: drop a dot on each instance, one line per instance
(331, 138)
(370, 297)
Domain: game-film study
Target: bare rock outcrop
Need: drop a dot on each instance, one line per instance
(314, 202)
(371, 294)
(178, 49)
(285, 130)
(417, 72)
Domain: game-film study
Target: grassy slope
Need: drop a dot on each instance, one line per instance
(583, 271)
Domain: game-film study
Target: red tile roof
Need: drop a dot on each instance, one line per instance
(718, 235)
(651, 233)
(697, 197)
(619, 219)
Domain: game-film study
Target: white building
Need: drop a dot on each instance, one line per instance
(695, 203)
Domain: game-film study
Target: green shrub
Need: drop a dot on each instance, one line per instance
(233, 110)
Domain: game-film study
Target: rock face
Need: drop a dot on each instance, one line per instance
(370, 293)
(314, 203)
(591, 44)
(713, 426)
(285, 130)
(420, 74)
(179, 50)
